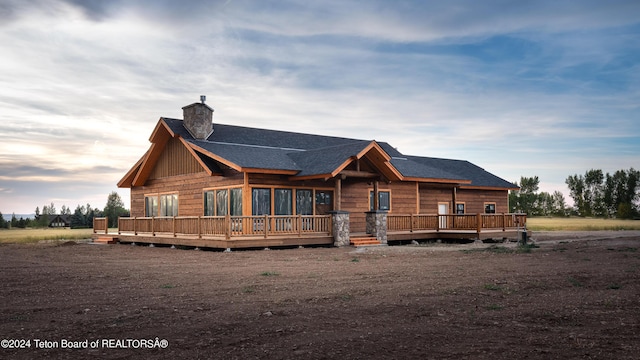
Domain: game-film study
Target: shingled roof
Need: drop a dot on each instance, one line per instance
(308, 155)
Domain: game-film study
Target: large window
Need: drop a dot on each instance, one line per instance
(161, 205)
(219, 202)
(261, 201)
(304, 202)
(384, 200)
(151, 206)
(169, 205)
(490, 208)
(460, 208)
(283, 201)
(235, 202)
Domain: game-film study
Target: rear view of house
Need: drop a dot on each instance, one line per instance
(217, 185)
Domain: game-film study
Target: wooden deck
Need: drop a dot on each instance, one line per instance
(284, 231)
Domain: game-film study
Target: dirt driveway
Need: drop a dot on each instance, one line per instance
(573, 297)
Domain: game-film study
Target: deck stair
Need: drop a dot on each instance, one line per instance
(105, 239)
(364, 241)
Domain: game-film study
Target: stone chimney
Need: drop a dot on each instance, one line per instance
(198, 119)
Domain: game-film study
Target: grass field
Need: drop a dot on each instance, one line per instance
(580, 224)
(34, 235)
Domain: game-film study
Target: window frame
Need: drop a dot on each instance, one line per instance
(380, 193)
(487, 206)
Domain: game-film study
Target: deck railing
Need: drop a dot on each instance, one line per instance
(227, 226)
(477, 222)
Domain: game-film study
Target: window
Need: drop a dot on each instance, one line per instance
(236, 202)
(304, 202)
(169, 205)
(323, 198)
(222, 202)
(150, 206)
(261, 201)
(219, 202)
(283, 201)
(209, 203)
(384, 200)
(460, 208)
(490, 208)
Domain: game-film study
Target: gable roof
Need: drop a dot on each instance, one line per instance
(303, 156)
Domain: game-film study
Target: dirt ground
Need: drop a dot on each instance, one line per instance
(576, 296)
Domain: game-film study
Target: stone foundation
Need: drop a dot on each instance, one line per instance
(377, 225)
(340, 222)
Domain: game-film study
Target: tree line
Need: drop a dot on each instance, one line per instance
(82, 216)
(594, 194)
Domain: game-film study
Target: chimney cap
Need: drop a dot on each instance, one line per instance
(203, 98)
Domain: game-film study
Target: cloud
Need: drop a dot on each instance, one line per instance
(512, 86)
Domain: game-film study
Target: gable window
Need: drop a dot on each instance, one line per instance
(304, 202)
(489, 208)
(384, 200)
(460, 208)
(283, 201)
(169, 205)
(261, 201)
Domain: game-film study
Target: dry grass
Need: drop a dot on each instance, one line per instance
(580, 224)
(35, 235)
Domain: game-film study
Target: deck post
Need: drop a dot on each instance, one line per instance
(106, 225)
(340, 227)
(299, 225)
(504, 222)
(199, 227)
(135, 229)
(266, 225)
(412, 220)
(173, 225)
(227, 229)
(479, 220)
(153, 228)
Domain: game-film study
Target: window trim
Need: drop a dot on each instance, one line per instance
(158, 204)
(214, 190)
(380, 191)
(494, 207)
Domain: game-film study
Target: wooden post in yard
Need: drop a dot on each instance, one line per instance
(106, 225)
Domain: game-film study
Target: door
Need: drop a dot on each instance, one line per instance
(443, 209)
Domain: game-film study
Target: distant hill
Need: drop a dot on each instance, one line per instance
(18, 216)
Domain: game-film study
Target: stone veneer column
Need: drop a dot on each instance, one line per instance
(377, 225)
(340, 222)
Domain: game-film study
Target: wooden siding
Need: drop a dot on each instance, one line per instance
(189, 188)
(175, 160)
(430, 196)
(475, 199)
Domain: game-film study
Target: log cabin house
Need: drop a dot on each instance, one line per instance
(225, 186)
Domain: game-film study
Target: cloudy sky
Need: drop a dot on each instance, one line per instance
(521, 88)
